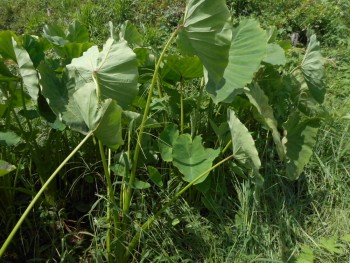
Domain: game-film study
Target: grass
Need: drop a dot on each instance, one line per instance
(311, 213)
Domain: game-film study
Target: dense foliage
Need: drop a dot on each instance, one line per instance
(205, 134)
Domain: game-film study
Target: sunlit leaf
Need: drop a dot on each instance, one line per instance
(114, 71)
(206, 33)
(247, 50)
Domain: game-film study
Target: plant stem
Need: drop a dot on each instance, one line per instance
(181, 108)
(127, 200)
(148, 223)
(110, 197)
(36, 198)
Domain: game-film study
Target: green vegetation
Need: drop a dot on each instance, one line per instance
(165, 131)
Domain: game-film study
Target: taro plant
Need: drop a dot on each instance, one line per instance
(203, 106)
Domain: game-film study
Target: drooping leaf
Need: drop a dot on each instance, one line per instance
(59, 94)
(206, 33)
(26, 69)
(275, 55)
(9, 138)
(191, 158)
(243, 145)
(298, 143)
(89, 106)
(6, 168)
(260, 101)
(248, 48)
(177, 68)
(313, 70)
(109, 130)
(166, 141)
(155, 176)
(114, 70)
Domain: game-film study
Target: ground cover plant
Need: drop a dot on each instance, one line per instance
(222, 120)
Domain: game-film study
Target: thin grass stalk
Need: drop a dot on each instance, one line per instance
(110, 198)
(36, 198)
(127, 200)
(149, 222)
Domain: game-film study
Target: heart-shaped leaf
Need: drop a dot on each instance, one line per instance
(114, 71)
(313, 71)
(191, 158)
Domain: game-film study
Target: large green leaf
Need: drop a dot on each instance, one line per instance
(59, 94)
(26, 69)
(298, 142)
(109, 130)
(313, 71)
(6, 168)
(206, 33)
(260, 101)
(114, 71)
(243, 145)
(248, 48)
(191, 158)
